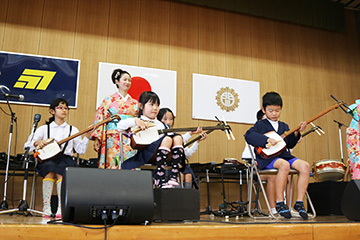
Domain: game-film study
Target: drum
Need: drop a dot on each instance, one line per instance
(328, 169)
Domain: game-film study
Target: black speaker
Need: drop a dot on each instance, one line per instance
(88, 194)
(176, 204)
(326, 197)
(350, 202)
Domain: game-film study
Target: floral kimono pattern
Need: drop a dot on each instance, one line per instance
(108, 135)
(353, 141)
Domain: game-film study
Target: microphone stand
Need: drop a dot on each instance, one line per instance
(23, 205)
(340, 139)
(4, 204)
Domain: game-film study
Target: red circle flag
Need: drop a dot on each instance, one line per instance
(138, 85)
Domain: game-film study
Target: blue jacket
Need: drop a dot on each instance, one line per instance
(255, 137)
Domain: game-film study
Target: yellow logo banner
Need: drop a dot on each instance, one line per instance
(35, 79)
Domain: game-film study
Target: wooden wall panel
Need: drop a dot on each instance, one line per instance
(351, 42)
(23, 28)
(313, 92)
(90, 47)
(154, 34)
(263, 54)
(238, 65)
(288, 77)
(184, 58)
(333, 85)
(212, 62)
(339, 89)
(3, 14)
(57, 29)
(124, 32)
(22, 34)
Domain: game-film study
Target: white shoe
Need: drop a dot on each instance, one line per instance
(274, 212)
(295, 213)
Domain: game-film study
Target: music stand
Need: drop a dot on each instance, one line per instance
(340, 139)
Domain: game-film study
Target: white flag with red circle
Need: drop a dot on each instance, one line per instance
(162, 82)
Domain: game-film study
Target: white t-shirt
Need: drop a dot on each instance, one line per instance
(60, 132)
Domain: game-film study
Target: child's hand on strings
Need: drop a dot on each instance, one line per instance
(198, 131)
(302, 126)
(203, 136)
(40, 144)
(88, 134)
(141, 124)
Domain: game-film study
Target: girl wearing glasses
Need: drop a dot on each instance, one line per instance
(57, 128)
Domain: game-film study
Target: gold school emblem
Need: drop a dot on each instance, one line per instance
(35, 79)
(227, 99)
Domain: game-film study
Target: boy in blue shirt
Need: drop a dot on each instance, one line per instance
(272, 106)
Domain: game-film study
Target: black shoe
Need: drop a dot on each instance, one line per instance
(299, 206)
(283, 209)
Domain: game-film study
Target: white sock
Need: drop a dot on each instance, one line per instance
(47, 189)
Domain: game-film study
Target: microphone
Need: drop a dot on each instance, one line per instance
(27, 145)
(19, 97)
(37, 118)
(340, 124)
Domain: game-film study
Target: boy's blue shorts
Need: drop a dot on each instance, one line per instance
(271, 165)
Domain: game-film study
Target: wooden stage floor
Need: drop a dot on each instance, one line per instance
(323, 227)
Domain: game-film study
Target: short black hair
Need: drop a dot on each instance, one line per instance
(162, 112)
(148, 96)
(53, 105)
(259, 115)
(272, 98)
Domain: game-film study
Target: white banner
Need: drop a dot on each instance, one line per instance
(162, 82)
(237, 100)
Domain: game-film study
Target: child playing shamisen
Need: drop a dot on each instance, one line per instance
(272, 106)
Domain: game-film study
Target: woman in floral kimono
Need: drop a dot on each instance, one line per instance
(353, 140)
(106, 137)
